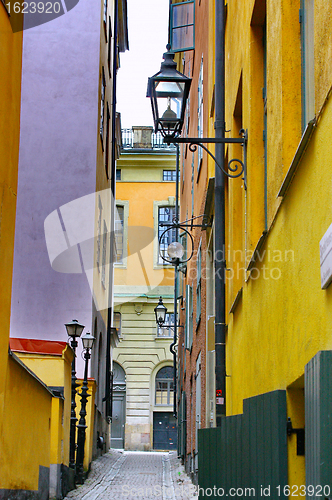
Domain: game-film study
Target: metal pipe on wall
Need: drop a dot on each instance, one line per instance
(176, 274)
(220, 257)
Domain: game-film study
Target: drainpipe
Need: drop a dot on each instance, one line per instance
(220, 256)
(176, 274)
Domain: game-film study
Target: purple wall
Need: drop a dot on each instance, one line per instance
(58, 147)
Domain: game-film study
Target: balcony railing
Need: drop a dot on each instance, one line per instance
(151, 141)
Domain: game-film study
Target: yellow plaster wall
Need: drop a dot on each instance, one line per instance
(55, 371)
(10, 88)
(25, 438)
(57, 441)
(323, 52)
(141, 214)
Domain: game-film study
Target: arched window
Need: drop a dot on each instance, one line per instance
(164, 386)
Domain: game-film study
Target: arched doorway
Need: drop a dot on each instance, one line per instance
(119, 407)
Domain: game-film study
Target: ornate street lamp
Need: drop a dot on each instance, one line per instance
(87, 340)
(160, 311)
(168, 90)
(74, 330)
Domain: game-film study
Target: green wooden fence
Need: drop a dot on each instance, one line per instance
(247, 456)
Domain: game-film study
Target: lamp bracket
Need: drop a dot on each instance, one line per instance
(207, 222)
(240, 168)
(175, 224)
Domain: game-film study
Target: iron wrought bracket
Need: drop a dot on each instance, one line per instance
(300, 436)
(240, 167)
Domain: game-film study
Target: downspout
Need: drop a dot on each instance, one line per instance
(108, 390)
(171, 348)
(220, 256)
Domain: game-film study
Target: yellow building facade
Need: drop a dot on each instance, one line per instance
(145, 192)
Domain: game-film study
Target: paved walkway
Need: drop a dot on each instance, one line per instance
(125, 475)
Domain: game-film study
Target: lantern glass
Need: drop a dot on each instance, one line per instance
(87, 340)
(168, 91)
(160, 311)
(74, 328)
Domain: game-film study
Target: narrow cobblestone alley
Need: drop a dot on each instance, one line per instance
(125, 475)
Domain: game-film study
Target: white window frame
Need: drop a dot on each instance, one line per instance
(170, 202)
(125, 205)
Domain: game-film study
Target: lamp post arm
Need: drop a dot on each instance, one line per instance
(240, 167)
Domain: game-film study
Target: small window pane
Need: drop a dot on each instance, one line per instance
(165, 214)
(117, 322)
(165, 330)
(119, 234)
(182, 32)
(169, 175)
(164, 386)
(118, 174)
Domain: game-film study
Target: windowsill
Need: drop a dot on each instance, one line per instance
(117, 265)
(163, 338)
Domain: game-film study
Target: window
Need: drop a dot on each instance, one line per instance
(169, 175)
(117, 322)
(164, 386)
(109, 47)
(307, 59)
(200, 114)
(189, 317)
(199, 285)
(105, 11)
(100, 207)
(103, 265)
(165, 214)
(183, 241)
(102, 105)
(118, 174)
(165, 330)
(183, 26)
(119, 217)
(108, 118)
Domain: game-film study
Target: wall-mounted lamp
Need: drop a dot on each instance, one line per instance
(160, 312)
(168, 91)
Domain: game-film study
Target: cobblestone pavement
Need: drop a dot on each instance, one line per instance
(125, 475)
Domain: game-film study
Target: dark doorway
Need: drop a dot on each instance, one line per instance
(164, 431)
